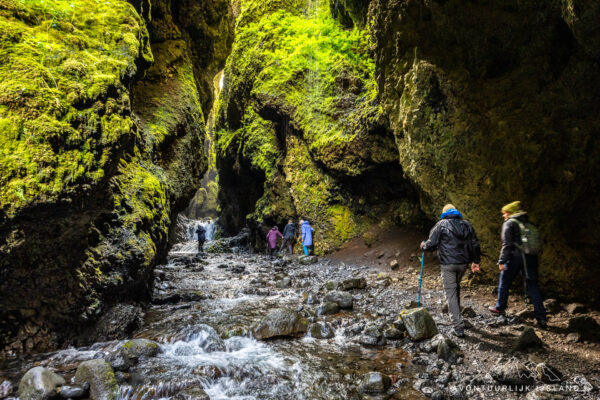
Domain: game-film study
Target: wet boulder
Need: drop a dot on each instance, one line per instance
(39, 383)
(280, 322)
(101, 378)
(419, 324)
(375, 383)
(448, 351)
(528, 339)
(372, 336)
(343, 299)
(512, 372)
(328, 309)
(321, 330)
(353, 283)
(130, 352)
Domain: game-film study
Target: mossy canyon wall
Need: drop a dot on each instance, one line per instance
(360, 113)
(102, 134)
(356, 114)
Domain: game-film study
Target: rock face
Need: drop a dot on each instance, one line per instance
(419, 324)
(467, 89)
(299, 132)
(101, 378)
(39, 384)
(99, 152)
(280, 322)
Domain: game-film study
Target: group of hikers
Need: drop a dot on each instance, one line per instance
(289, 238)
(458, 247)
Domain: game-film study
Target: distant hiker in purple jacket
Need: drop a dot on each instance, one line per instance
(272, 240)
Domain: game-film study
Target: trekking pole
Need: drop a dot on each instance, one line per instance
(420, 280)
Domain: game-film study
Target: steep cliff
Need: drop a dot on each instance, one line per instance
(492, 102)
(328, 110)
(299, 129)
(102, 137)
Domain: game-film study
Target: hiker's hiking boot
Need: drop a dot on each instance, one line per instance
(494, 310)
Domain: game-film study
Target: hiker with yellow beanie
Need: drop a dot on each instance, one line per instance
(519, 253)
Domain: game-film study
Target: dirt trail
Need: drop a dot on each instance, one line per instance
(488, 341)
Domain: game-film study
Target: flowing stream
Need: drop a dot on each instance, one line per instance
(203, 308)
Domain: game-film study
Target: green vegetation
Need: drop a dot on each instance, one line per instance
(57, 60)
(299, 102)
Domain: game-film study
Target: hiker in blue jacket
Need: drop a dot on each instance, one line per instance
(456, 242)
(307, 236)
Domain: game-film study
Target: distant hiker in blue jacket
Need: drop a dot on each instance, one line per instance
(307, 236)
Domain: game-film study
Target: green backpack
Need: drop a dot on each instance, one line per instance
(530, 238)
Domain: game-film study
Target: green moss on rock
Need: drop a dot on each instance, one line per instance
(298, 115)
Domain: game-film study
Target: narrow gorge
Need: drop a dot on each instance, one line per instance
(126, 125)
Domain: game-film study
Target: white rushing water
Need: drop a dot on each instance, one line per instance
(209, 225)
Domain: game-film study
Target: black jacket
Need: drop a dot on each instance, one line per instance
(511, 237)
(289, 232)
(201, 233)
(455, 240)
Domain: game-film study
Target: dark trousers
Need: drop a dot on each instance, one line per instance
(271, 251)
(200, 246)
(529, 268)
(289, 242)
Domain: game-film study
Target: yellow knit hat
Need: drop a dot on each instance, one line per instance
(513, 207)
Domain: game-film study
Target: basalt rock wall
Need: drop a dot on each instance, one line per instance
(102, 132)
(358, 113)
(495, 101)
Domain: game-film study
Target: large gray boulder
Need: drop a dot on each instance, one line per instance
(101, 378)
(280, 322)
(343, 299)
(39, 383)
(375, 383)
(419, 323)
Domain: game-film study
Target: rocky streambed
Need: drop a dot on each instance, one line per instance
(241, 326)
